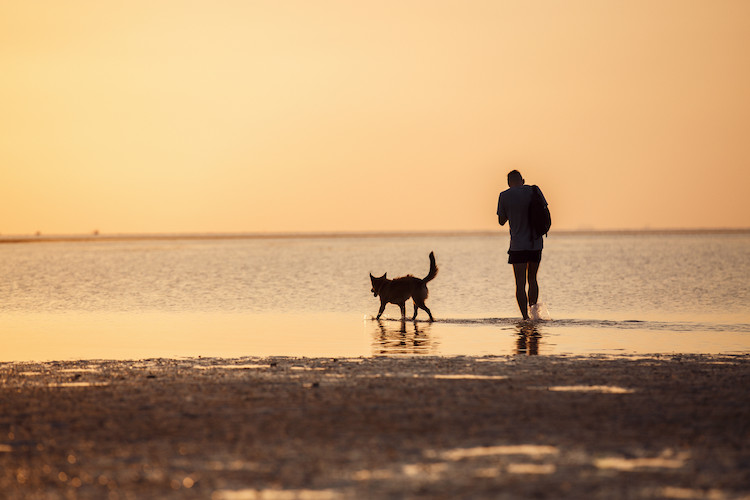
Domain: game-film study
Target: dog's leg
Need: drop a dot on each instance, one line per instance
(382, 308)
(416, 309)
(420, 303)
(428, 312)
(402, 305)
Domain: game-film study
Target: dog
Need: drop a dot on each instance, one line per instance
(399, 290)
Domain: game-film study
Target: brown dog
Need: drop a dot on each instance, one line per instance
(399, 290)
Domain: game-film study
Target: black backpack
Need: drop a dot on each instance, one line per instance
(539, 216)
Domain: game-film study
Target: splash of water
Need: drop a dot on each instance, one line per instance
(539, 312)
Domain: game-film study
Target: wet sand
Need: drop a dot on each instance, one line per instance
(433, 427)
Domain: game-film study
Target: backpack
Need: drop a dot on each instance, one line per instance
(539, 216)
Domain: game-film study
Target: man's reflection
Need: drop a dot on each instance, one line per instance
(528, 339)
(393, 337)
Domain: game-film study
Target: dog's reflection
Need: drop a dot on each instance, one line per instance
(528, 339)
(393, 337)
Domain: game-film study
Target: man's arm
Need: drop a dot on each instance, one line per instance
(502, 218)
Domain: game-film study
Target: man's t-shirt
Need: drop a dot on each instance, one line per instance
(513, 205)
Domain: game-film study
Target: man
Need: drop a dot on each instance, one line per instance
(525, 251)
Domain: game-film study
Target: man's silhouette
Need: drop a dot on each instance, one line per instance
(525, 251)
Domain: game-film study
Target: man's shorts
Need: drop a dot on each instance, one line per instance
(522, 256)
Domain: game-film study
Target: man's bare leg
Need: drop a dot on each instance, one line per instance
(533, 285)
(520, 272)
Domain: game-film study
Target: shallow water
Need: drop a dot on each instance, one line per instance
(610, 294)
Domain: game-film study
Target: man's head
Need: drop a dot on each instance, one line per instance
(515, 178)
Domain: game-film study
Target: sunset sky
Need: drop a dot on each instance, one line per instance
(296, 115)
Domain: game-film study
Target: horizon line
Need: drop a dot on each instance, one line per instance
(98, 236)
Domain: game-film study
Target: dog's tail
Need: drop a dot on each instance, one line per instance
(433, 269)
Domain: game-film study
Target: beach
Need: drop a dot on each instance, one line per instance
(660, 426)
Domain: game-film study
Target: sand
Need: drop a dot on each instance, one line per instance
(459, 427)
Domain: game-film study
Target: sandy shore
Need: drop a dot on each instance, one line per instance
(500, 427)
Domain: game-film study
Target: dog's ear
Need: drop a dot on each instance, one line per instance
(384, 275)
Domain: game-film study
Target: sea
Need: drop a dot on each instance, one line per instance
(165, 296)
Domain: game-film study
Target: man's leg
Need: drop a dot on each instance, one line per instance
(520, 271)
(533, 285)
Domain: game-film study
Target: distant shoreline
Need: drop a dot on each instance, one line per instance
(57, 238)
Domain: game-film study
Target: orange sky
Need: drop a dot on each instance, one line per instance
(226, 116)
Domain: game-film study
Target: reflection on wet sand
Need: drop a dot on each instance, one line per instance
(377, 427)
(528, 339)
(393, 337)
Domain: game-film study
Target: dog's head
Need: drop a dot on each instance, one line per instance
(377, 283)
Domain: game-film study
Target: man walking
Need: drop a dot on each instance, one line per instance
(525, 251)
